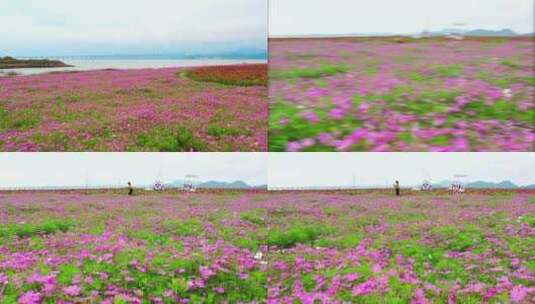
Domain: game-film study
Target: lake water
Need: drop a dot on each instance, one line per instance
(99, 64)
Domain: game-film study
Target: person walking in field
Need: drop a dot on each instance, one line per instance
(396, 187)
(130, 189)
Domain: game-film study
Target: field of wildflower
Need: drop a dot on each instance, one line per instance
(402, 94)
(134, 110)
(251, 75)
(260, 247)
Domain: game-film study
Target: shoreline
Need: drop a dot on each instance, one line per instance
(122, 65)
(9, 63)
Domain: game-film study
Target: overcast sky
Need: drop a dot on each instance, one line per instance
(71, 169)
(301, 17)
(277, 169)
(95, 27)
(380, 169)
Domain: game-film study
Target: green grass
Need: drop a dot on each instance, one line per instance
(220, 131)
(255, 216)
(447, 71)
(509, 63)
(321, 71)
(20, 119)
(298, 128)
(456, 239)
(169, 139)
(303, 234)
(183, 228)
(49, 226)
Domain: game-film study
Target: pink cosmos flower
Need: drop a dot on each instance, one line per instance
(284, 121)
(316, 92)
(376, 268)
(419, 297)
(293, 147)
(336, 114)
(310, 116)
(460, 144)
(350, 277)
(219, 290)
(518, 294)
(364, 288)
(308, 142)
(206, 272)
(30, 297)
(325, 139)
(72, 290)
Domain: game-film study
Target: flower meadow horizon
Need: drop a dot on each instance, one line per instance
(383, 94)
(134, 110)
(246, 247)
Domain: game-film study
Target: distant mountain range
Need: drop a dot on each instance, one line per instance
(252, 53)
(444, 32)
(218, 185)
(477, 33)
(485, 185)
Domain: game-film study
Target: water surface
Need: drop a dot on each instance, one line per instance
(100, 64)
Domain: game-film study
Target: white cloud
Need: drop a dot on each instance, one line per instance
(72, 169)
(371, 169)
(33, 23)
(293, 17)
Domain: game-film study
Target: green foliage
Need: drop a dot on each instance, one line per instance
(219, 131)
(169, 139)
(317, 72)
(529, 218)
(447, 71)
(66, 273)
(530, 80)
(350, 240)
(150, 236)
(304, 234)
(190, 227)
(406, 217)
(419, 253)
(19, 119)
(509, 63)
(502, 110)
(53, 140)
(455, 239)
(47, 226)
(74, 98)
(414, 76)
(254, 216)
(441, 140)
(298, 128)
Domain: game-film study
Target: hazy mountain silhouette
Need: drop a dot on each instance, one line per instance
(484, 185)
(218, 185)
(475, 33)
(443, 32)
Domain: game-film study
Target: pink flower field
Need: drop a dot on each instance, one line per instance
(130, 110)
(260, 247)
(402, 94)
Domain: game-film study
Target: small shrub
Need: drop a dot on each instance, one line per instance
(28, 230)
(183, 228)
(296, 234)
(321, 71)
(169, 140)
(237, 75)
(219, 131)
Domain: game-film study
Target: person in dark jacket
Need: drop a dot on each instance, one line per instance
(130, 189)
(396, 187)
